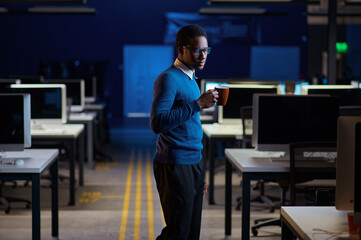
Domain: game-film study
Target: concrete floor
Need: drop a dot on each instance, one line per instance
(119, 200)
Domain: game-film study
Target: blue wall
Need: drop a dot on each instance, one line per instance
(25, 40)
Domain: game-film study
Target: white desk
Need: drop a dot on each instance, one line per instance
(255, 165)
(35, 162)
(68, 130)
(303, 222)
(206, 118)
(88, 119)
(102, 128)
(72, 135)
(217, 132)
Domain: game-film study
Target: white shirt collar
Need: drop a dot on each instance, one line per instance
(181, 66)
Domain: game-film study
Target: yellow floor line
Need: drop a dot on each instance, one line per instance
(138, 199)
(123, 223)
(150, 198)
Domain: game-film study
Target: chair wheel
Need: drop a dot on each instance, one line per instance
(254, 232)
(28, 205)
(272, 209)
(238, 206)
(7, 210)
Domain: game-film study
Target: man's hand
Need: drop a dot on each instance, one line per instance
(208, 99)
(205, 189)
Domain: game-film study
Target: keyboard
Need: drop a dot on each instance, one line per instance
(48, 131)
(8, 161)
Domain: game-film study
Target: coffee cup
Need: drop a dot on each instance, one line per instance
(223, 92)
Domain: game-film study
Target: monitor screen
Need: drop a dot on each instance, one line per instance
(357, 171)
(279, 120)
(15, 122)
(348, 147)
(305, 89)
(75, 90)
(48, 102)
(90, 89)
(240, 96)
(275, 63)
(207, 84)
(347, 97)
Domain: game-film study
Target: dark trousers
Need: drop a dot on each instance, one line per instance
(180, 189)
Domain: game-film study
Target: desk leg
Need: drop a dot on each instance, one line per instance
(81, 159)
(211, 149)
(286, 232)
(246, 198)
(72, 172)
(35, 202)
(228, 209)
(90, 145)
(54, 200)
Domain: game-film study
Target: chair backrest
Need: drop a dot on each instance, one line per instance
(246, 116)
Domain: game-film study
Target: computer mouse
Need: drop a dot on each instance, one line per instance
(19, 162)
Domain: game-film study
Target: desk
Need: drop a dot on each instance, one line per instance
(217, 132)
(71, 135)
(101, 109)
(206, 118)
(35, 162)
(256, 165)
(301, 221)
(87, 119)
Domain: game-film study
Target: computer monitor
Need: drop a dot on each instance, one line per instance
(305, 89)
(357, 193)
(90, 89)
(240, 95)
(207, 84)
(298, 87)
(347, 94)
(279, 120)
(75, 89)
(5, 84)
(15, 132)
(29, 79)
(348, 161)
(48, 102)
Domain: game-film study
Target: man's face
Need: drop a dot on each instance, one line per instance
(191, 54)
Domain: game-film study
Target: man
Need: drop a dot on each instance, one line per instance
(178, 169)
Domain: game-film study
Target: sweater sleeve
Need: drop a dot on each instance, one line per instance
(162, 116)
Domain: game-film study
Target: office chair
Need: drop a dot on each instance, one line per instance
(272, 221)
(7, 200)
(246, 116)
(300, 174)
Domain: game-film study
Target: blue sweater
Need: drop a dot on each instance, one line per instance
(175, 117)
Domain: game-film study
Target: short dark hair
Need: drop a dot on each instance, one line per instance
(188, 32)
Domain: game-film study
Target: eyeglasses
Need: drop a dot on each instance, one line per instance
(198, 51)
